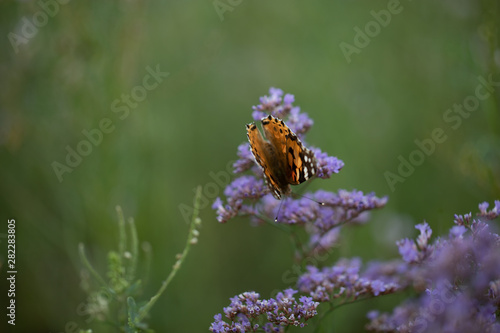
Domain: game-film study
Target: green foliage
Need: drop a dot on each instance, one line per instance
(114, 302)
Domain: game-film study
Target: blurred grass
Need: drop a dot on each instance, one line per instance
(367, 113)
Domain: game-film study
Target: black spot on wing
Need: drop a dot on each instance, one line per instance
(251, 127)
(301, 177)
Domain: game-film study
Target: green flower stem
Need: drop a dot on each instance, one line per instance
(190, 240)
(86, 262)
(122, 236)
(134, 250)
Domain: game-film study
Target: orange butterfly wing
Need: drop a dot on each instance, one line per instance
(301, 162)
(284, 159)
(267, 158)
(276, 131)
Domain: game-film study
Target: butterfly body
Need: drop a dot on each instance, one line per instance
(283, 158)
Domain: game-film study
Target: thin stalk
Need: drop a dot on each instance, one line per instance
(134, 250)
(86, 263)
(195, 220)
(122, 235)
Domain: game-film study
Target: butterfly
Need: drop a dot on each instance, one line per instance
(283, 158)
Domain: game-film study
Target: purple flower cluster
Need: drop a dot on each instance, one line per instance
(416, 252)
(249, 195)
(489, 215)
(327, 165)
(244, 187)
(344, 280)
(456, 279)
(321, 221)
(247, 309)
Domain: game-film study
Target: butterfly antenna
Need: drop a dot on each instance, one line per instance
(303, 196)
(279, 209)
(316, 201)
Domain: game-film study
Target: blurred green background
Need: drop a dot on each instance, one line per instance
(64, 78)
